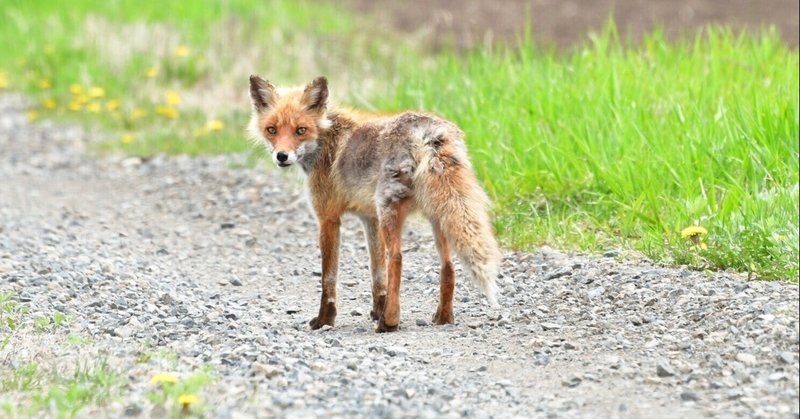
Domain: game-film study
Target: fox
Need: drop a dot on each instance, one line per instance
(381, 167)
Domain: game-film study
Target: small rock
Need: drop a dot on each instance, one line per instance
(395, 351)
(690, 396)
(421, 322)
(550, 326)
(786, 357)
(664, 369)
(266, 370)
(746, 358)
(558, 273)
(236, 282)
(133, 410)
(227, 226)
(569, 346)
(572, 382)
(611, 253)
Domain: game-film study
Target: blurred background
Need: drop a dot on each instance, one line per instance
(564, 23)
(593, 125)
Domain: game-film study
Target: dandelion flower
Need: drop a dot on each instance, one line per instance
(188, 398)
(112, 105)
(93, 107)
(167, 111)
(164, 377)
(49, 103)
(137, 113)
(182, 51)
(3, 80)
(45, 84)
(97, 92)
(172, 97)
(32, 115)
(74, 106)
(693, 231)
(127, 139)
(75, 89)
(82, 99)
(215, 125)
(151, 72)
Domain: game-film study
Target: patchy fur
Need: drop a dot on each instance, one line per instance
(381, 168)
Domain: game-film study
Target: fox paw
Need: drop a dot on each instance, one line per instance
(383, 327)
(317, 323)
(442, 317)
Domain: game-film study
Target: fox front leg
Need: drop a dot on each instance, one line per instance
(329, 247)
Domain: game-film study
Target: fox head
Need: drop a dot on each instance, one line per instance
(288, 121)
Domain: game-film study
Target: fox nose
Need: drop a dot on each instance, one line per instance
(282, 156)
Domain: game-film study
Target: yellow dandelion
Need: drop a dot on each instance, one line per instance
(151, 72)
(215, 125)
(167, 111)
(49, 103)
(74, 106)
(137, 113)
(3, 80)
(49, 49)
(112, 105)
(693, 231)
(75, 89)
(97, 92)
(182, 51)
(45, 84)
(127, 139)
(82, 99)
(93, 107)
(172, 97)
(32, 114)
(188, 398)
(199, 132)
(164, 378)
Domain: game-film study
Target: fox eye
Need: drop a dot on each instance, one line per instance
(271, 130)
(301, 131)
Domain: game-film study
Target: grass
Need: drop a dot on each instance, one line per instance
(609, 145)
(614, 145)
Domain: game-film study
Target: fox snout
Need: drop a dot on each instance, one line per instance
(284, 158)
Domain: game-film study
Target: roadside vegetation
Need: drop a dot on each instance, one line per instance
(611, 145)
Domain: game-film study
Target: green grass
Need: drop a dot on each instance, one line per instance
(623, 146)
(609, 145)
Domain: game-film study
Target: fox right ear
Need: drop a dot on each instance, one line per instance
(262, 93)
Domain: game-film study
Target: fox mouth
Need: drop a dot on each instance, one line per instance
(282, 164)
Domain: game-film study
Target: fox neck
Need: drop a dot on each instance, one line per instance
(321, 159)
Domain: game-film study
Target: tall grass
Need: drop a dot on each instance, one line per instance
(615, 145)
(609, 145)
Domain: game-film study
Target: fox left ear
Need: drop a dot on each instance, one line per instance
(315, 95)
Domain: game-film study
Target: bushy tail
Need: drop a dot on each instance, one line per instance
(449, 193)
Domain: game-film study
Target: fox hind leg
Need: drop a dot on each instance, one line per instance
(376, 265)
(447, 279)
(391, 228)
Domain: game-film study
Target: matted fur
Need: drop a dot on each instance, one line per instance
(380, 167)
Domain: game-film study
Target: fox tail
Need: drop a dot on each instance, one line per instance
(449, 193)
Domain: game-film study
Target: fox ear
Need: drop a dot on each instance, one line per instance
(262, 93)
(315, 96)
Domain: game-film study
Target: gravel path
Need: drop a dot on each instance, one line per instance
(219, 266)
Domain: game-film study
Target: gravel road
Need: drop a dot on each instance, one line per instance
(219, 266)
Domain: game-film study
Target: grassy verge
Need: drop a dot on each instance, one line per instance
(625, 146)
(607, 146)
(47, 370)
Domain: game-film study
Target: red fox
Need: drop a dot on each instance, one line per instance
(380, 167)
